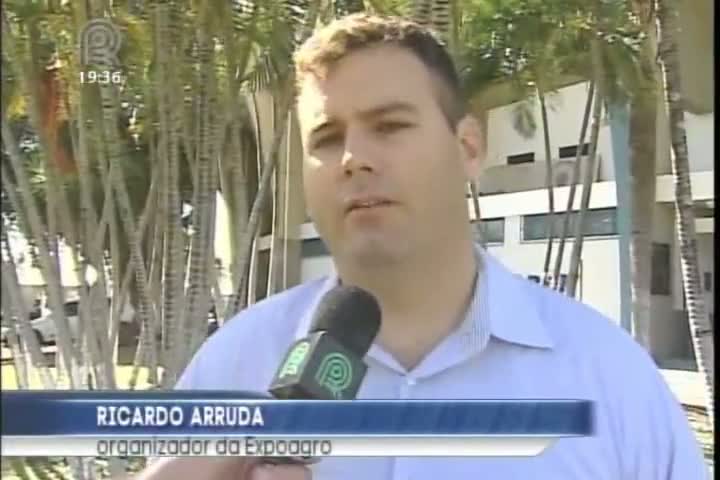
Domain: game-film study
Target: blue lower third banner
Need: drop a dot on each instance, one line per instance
(241, 423)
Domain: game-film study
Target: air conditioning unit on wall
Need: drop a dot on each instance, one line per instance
(563, 172)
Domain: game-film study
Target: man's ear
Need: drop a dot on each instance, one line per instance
(471, 146)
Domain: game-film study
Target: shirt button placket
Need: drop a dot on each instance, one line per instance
(406, 387)
(400, 470)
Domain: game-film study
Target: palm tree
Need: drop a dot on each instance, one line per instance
(565, 228)
(138, 156)
(642, 133)
(282, 83)
(575, 256)
(26, 69)
(700, 327)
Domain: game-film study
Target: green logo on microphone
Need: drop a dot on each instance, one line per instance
(335, 374)
(295, 359)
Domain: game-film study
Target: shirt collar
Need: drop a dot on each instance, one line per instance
(500, 306)
(513, 313)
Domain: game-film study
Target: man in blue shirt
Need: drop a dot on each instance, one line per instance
(389, 150)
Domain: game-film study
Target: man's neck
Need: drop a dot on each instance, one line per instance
(422, 301)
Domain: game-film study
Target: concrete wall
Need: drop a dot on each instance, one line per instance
(315, 267)
(696, 54)
(565, 111)
(599, 280)
(700, 133)
(668, 337)
(565, 117)
(706, 253)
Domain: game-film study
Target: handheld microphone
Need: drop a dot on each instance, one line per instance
(328, 363)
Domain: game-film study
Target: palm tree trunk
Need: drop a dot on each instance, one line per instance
(700, 328)
(32, 346)
(422, 12)
(117, 155)
(19, 357)
(50, 271)
(269, 164)
(573, 189)
(576, 254)
(202, 253)
(643, 117)
(18, 348)
(476, 210)
(14, 306)
(549, 186)
(170, 114)
(239, 156)
(93, 254)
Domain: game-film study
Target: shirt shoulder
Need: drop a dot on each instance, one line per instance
(578, 329)
(654, 438)
(244, 353)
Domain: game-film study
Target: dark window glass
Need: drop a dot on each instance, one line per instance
(600, 222)
(261, 278)
(535, 227)
(492, 230)
(71, 309)
(571, 151)
(314, 247)
(521, 158)
(708, 281)
(660, 279)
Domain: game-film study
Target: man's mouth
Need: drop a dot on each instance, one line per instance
(367, 203)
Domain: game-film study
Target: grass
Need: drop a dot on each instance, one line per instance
(122, 377)
(56, 468)
(122, 371)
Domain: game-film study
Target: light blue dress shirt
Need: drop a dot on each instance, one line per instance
(518, 340)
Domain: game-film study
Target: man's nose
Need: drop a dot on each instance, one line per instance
(358, 154)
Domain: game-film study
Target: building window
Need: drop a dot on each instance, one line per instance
(600, 222)
(660, 279)
(521, 158)
(708, 281)
(71, 309)
(314, 247)
(492, 230)
(535, 227)
(571, 151)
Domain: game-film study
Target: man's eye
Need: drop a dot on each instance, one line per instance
(390, 127)
(328, 140)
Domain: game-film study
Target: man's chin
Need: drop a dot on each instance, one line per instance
(375, 255)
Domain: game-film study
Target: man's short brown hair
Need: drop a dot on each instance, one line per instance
(358, 31)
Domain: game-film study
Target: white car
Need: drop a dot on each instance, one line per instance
(46, 331)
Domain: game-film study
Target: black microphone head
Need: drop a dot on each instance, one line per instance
(349, 314)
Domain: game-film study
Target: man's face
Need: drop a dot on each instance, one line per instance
(384, 173)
